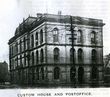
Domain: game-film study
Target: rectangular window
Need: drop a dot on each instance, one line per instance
(93, 37)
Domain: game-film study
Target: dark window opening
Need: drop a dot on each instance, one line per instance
(55, 35)
(93, 37)
(72, 74)
(21, 61)
(94, 56)
(32, 58)
(20, 46)
(56, 54)
(80, 55)
(33, 76)
(94, 73)
(56, 73)
(80, 36)
(24, 59)
(41, 36)
(32, 41)
(81, 75)
(36, 38)
(16, 46)
(72, 55)
(42, 56)
(37, 57)
(37, 71)
(42, 73)
(24, 43)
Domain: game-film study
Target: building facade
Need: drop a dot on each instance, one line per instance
(41, 51)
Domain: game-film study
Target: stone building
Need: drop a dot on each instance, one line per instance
(41, 52)
(4, 73)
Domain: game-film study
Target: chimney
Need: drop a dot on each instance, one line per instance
(39, 15)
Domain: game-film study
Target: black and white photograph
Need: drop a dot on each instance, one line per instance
(55, 45)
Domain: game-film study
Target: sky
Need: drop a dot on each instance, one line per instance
(12, 13)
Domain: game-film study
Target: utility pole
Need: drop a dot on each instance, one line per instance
(72, 37)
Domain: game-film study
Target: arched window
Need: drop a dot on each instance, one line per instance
(37, 71)
(24, 43)
(42, 73)
(16, 46)
(24, 59)
(80, 55)
(41, 36)
(32, 41)
(36, 38)
(17, 61)
(33, 76)
(81, 75)
(94, 55)
(80, 36)
(37, 57)
(93, 37)
(56, 73)
(55, 35)
(20, 46)
(72, 55)
(56, 54)
(94, 73)
(72, 74)
(42, 55)
(21, 61)
(32, 58)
